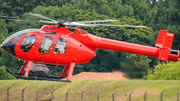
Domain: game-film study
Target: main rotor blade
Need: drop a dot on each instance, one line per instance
(7, 17)
(93, 21)
(41, 16)
(79, 24)
(82, 23)
(28, 20)
(115, 25)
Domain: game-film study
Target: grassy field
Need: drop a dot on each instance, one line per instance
(123, 87)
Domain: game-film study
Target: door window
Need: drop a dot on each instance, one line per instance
(27, 43)
(60, 47)
(45, 45)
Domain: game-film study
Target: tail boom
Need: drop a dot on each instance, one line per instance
(162, 49)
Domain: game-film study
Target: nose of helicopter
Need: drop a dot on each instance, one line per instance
(8, 46)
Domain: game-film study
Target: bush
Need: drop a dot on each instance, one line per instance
(161, 72)
(4, 75)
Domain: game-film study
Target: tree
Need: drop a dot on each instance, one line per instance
(4, 75)
(161, 72)
(140, 65)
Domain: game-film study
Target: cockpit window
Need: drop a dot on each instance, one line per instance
(18, 35)
(27, 43)
(46, 45)
(83, 31)
(60, 46)
(48, 32)
(72, 29)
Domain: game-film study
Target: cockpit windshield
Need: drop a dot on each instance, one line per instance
(9, 44)
(18, 35)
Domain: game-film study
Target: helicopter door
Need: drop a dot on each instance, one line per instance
(60, 47)
(27, 43)
(45, 45)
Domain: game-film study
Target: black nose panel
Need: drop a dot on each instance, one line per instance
(9, 47)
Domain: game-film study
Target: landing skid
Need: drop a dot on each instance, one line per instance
(39, 77)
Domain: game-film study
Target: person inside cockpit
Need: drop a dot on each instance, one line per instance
(27, 43)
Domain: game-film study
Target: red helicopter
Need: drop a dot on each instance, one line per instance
(60, 45)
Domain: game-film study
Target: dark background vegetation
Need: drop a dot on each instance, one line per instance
(161, 15)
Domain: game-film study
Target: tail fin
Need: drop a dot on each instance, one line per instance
(164, 43)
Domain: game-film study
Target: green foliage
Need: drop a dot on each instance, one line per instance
(139, 61)
(4, 75)
(140, 65)
(161, 72)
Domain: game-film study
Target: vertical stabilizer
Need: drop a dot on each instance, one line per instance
(164, 43)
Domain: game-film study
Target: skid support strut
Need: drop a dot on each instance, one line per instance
(71, 68)
(29, 63)
(65, 71)
(22, 68)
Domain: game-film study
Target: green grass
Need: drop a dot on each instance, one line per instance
(123, 87)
